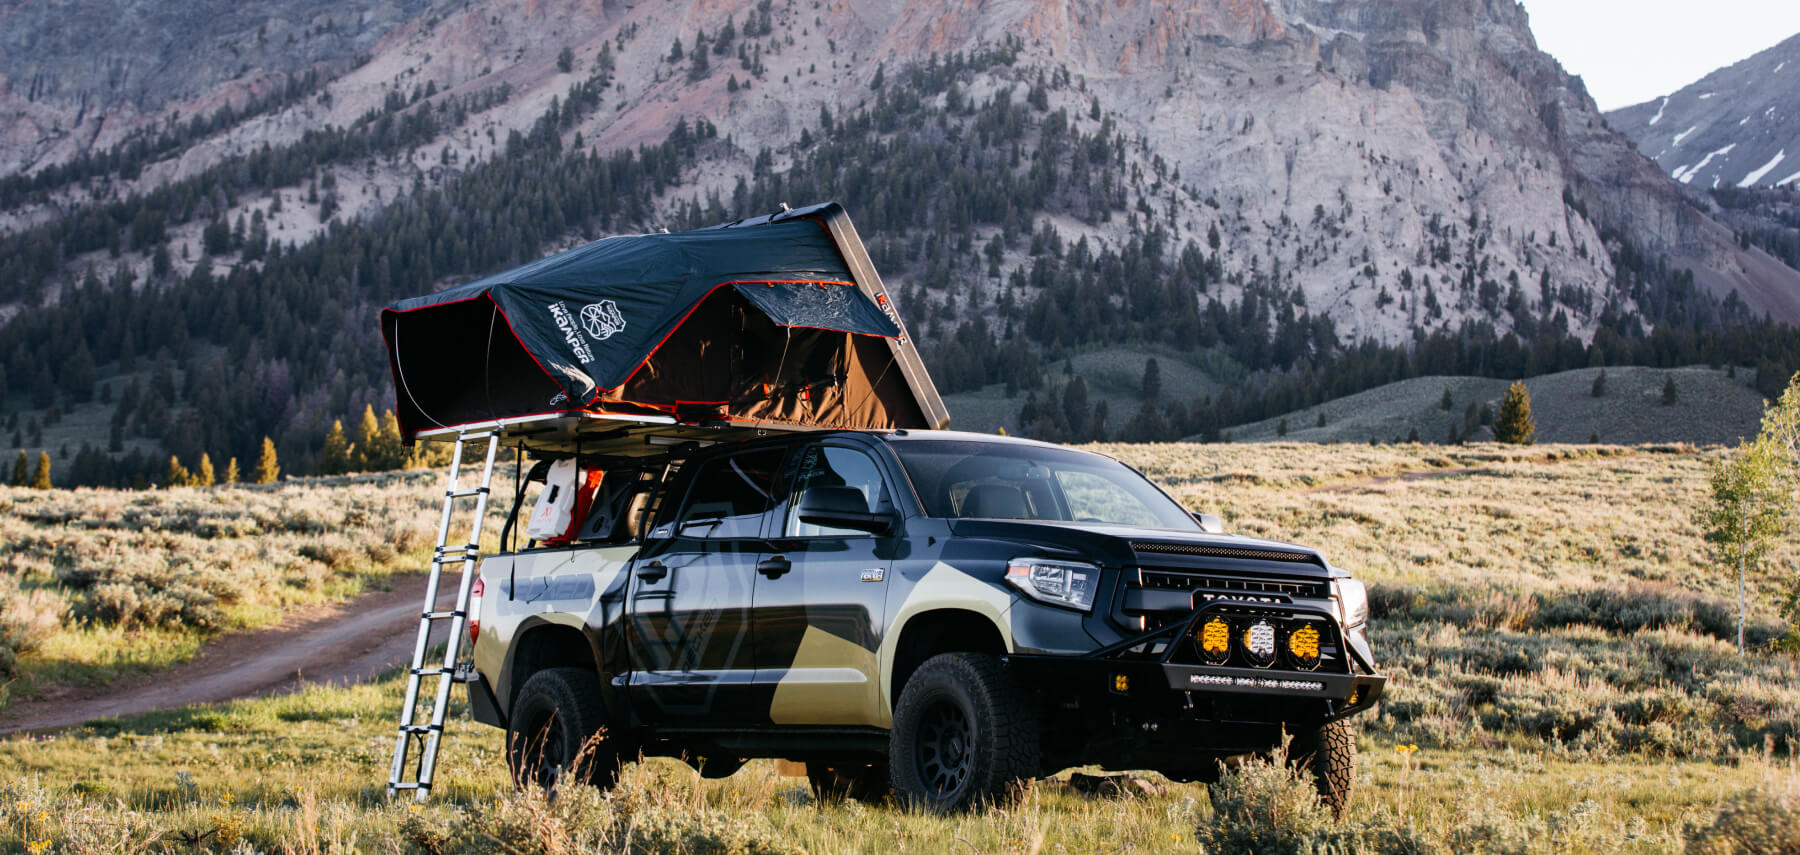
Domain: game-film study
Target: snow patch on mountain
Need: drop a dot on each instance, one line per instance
(1757, 174)
(1659, 111)
(1685, 134)
(1688, 176)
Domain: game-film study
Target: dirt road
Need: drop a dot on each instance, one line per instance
(336, 644)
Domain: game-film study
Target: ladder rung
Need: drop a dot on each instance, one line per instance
(431, 672)
(409, 785)
(443, 615)
(472, 491)
(420, 728)
(464, 548)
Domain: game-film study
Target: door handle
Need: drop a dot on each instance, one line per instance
(653, 571)
(775, 567)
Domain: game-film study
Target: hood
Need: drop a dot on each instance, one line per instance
(1131, 546)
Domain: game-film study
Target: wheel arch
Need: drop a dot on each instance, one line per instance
(942, 630)
(541, 645)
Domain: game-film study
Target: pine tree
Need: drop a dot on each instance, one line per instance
(1446, 403)
(1669, 394)
(21, 474)
(393, 446)
(366, 456)
(267, 469)
(1515, 424)
(335, 456)
(1599, 390)
(1282, 429)
(177, 474)
(1152, 386)
(205, 477)
(231, 471)
(40, 477)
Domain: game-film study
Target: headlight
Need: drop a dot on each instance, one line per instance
(1353, 601)
(1061, 583)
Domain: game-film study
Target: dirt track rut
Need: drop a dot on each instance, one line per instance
(338, 644)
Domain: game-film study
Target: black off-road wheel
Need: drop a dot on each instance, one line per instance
(964, 734)
(555, 737)
(867, 783)
(1328, 754)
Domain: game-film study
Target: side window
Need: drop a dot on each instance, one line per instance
(729, 496)
(828, 466)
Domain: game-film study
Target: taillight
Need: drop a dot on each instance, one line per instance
(475, 610)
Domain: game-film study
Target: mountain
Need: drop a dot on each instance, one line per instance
(1295, 198)
(1736, 127)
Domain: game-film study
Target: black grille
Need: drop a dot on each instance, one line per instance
(1213, 583)
(1226, 552)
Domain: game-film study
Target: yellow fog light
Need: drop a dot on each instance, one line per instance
(1215, 641)
(1258, 641)
(1303, 647)
(1121, 683)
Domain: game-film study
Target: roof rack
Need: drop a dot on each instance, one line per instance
(607, 434)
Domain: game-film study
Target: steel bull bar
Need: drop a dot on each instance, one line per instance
(1145, 664)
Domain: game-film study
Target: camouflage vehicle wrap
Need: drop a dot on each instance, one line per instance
(935, 614)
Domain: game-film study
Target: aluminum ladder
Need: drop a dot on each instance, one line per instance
(427, 736)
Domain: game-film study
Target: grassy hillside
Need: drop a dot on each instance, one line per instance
(1711, 407)
(1556, 638)
(1113, 375)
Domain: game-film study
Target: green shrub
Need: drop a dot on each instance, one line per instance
(1751, 823)
(1264, 808)
(26, 619)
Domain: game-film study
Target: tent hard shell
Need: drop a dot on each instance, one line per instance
(777, 322)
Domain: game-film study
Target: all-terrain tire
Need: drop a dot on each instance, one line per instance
(555, 734)
(867, 783)
(1328, 753)
(964, 734)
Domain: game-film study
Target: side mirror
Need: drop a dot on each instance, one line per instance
(842, 507)
(1209, 523)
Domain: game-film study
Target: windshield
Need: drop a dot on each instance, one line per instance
(993, 480)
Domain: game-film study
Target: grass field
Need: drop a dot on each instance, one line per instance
(1557, 642)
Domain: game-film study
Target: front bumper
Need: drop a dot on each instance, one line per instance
(1271, 696)
(1153, 695)
(1150, 702)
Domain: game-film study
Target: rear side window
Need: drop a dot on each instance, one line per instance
(729, 496)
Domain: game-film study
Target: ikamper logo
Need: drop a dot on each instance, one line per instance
(566, 323)
(602, 319)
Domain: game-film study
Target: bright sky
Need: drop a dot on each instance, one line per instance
(1630, 51)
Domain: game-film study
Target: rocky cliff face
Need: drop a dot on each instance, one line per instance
(1393, 162)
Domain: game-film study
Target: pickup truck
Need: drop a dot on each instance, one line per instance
(937, 616)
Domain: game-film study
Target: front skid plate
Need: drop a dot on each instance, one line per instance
(1082, 676)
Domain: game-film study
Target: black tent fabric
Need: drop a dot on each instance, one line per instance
(646, 324)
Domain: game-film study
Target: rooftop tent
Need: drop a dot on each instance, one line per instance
(778, 321)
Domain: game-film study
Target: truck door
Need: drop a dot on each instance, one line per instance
(820, 600)
(691, 586)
